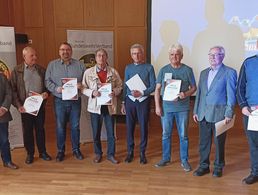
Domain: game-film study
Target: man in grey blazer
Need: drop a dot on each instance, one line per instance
(215, 101)
(5, 117)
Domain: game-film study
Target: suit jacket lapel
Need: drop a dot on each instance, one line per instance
(217, 77)
(206, 74)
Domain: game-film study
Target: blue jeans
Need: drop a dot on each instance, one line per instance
(4, 143)
(252, 137)
(96, 123)
(167, 121)
(67, 111)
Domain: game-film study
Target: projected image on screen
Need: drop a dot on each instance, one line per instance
(200, 24)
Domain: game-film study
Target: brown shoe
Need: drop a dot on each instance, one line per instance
(97, 159)
(11, 165)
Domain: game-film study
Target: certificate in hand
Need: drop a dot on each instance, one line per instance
(135, 83)
(32, 103)
(221, 127)
(105, 90)
(253, 121)
(69, 89)
(172, 89)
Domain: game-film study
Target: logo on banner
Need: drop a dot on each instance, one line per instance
(88, 60)
(4, 69)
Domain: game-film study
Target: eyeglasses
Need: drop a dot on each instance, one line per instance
(215, 54)
(64, 49)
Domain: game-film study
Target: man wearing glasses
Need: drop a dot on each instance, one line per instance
(215, 101)
(65, 110)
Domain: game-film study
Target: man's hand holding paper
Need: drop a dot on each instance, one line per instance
(172, 90)
(253, 121)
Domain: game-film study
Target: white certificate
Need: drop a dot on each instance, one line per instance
(172, 89)
(32, 103)
(221, 127)
(105, 90)
(135, 83)
(69, 89)
(253, 121)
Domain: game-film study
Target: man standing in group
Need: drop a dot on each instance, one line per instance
(26, 78)
(5, 117)
(93, 79)
(214, 102)
(65, 110)
(178, 108)
(136, 103)
(247, 97)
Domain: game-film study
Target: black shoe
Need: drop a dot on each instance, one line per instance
(112, 159)
(143, 159)
(97, 158)
(29, 159)
(45, 156)
(217, 173)
(11, 165)
(60, 156)
(250, 179)
(201, 171)
(78, 155)
(129, 157)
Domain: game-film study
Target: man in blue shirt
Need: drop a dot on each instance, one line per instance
(136, 103)
(247, 97)
(65, 110)
(177, 109)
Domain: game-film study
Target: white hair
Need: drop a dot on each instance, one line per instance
(176, 46)
(221, 49)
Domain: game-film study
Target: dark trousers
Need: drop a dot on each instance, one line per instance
(137, 111)
(29, 123)
(4, 143)
(252, 137)
(206, 132)
(96, 123)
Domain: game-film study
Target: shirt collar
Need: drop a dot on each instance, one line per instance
(62, 61)
(138, 63)
(99, 69)
(29, 67)
(216, 68)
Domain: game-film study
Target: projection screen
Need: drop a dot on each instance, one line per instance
(200, 24)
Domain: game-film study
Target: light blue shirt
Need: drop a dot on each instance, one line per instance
(212, 74)
(57, 70)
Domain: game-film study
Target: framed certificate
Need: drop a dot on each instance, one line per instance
(69, 89)
(32, 103)
(172, 89)
(105, 90)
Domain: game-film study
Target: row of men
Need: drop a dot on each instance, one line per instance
(215, 101)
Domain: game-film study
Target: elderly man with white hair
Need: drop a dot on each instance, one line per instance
(214, 102)
(29, 77)
(176, 108)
